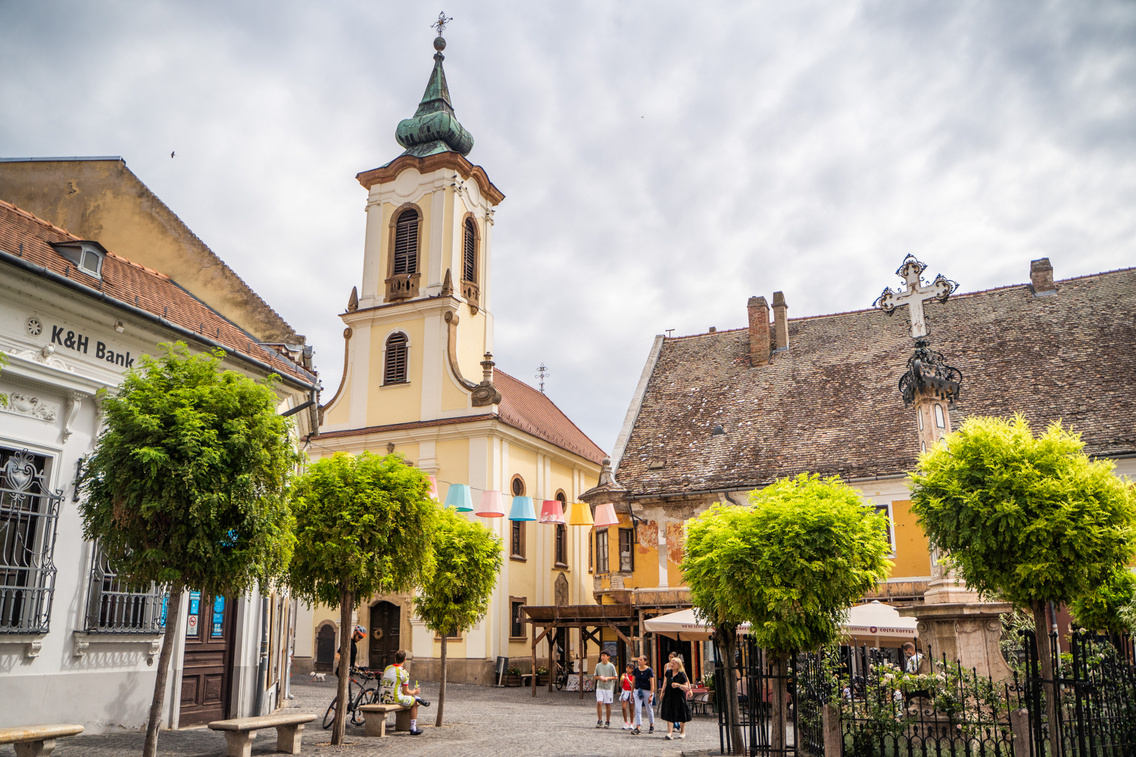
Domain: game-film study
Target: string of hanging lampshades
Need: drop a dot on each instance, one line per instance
(492, 505)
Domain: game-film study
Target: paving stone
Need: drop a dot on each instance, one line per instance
(479, 722)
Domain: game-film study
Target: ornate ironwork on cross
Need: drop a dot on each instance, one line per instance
(914, 294)
(928, 373)
(440, 24)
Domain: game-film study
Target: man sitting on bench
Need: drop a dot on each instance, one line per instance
(396, 690)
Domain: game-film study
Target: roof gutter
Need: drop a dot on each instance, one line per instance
(730, 490)
(153, 318)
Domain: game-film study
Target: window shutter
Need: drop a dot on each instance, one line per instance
(395, 369)
(469, 261)
(406, 243)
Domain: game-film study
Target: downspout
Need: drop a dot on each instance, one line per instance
(262, 666)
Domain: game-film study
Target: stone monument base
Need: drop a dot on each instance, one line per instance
(969, 632)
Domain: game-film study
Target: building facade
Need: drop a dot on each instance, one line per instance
(419, 380)
(74, 316)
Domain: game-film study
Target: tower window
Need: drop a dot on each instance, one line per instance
(394, 370)
(406, 243)
(469, 251)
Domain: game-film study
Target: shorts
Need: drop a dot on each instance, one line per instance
(603, 696)
(625, 696)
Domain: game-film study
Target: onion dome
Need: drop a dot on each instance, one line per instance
(434, 128)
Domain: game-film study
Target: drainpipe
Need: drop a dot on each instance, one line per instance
(262, 666)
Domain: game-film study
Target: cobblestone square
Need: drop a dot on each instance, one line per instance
(478, 721)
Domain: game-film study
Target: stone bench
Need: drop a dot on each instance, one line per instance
(375, 718)
(240, 732)
(37, 740)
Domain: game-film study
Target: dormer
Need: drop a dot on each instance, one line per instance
(86, 256)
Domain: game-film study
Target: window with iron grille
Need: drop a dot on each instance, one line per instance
(601, 551)
(28, 515)
(394, 371)
(117, 607)
(626, 550)
(406, 243)
(469, 251)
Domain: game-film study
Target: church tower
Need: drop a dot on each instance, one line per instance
(419, 381)
(422, 318)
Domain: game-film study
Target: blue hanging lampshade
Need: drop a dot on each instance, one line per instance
(459, 497)
(522, 509)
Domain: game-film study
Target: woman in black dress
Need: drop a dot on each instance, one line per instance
(675, 708)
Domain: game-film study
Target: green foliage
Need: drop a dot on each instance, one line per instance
(364, 525)
(791, 563)
(1027, 519)
(468, 560)
(186, 484)
(1109, 607)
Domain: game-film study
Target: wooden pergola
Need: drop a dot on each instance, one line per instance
(590, 619)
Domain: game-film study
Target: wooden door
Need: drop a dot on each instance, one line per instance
(207, 672)
(384, 635)
(325, 648)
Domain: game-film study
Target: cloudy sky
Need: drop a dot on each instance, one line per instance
(661, 161)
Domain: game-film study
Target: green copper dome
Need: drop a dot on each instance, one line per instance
(434, 128)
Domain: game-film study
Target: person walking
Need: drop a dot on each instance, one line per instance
(675, 708)
(605, 677)
(627, 688)
(644, 695)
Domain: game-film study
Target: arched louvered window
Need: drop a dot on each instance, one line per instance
(406, 243)
(394, 371)
(469, 251)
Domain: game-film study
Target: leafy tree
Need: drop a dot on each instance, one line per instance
(186, 485)
(1108, 608)
(364, 525)
(791, 564)
(468, 560)
(1032, 520)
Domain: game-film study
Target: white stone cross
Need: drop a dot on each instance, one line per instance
(914, 294)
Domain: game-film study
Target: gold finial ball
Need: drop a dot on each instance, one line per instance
(439, 43)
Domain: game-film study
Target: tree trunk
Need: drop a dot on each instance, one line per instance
(173, 615)
(728, 688)
(346, 604)
(1045, 662)
(442, 686)
(777, 706)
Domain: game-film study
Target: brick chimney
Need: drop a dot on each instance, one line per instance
(780, 322)
(1041, 278)
(758, 331)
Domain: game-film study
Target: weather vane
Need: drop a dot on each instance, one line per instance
(440, 24)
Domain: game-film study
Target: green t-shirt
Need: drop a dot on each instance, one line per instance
(606, 669)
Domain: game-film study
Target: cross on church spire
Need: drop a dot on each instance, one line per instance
(440, 24)
(914, 294)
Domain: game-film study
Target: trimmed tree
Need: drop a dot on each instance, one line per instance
(364, 526)
(186, 485)
(791, 564)
(1031, 520)
(468, 561)
(1109, 607)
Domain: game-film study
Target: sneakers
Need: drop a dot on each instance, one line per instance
(424, 702)
(627, 726)
(599, 724)
(682, 735)
(607, 724)
(651, 729)
(635, 731)
(415, 731)
(668, 737)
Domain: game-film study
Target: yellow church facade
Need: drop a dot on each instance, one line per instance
(419, 380)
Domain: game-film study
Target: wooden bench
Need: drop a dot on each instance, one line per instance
(37, 740)
(240, 732)
(375, 718)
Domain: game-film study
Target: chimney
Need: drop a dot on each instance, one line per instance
(1041, 278)
(780, 322)
(758, 331)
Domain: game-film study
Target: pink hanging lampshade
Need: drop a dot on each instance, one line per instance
(433, 488)
(605, 515)
(552, 511)
(580, 515)
(492, 505)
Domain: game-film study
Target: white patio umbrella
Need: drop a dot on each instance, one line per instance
(876, 624)
(682, 625)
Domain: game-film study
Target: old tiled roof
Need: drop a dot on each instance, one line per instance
(528, 410)
(27, 237)
(830, 404)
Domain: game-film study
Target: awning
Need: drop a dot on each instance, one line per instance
(682, 625)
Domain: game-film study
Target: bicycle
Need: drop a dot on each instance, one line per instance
(362, 688)
(561, 679)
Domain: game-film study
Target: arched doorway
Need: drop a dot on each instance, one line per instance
(325, 648)
(384, 635)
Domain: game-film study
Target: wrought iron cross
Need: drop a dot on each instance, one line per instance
(440, 24)
(914, 294)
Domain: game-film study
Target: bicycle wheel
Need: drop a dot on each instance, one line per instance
(366, 696)
(329, 716)
(560, 681)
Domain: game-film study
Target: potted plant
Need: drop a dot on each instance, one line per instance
(513, 677)
(542, 676)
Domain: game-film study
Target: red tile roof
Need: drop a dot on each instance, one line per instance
(29, 238)
(528, 410)
(830, 404)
